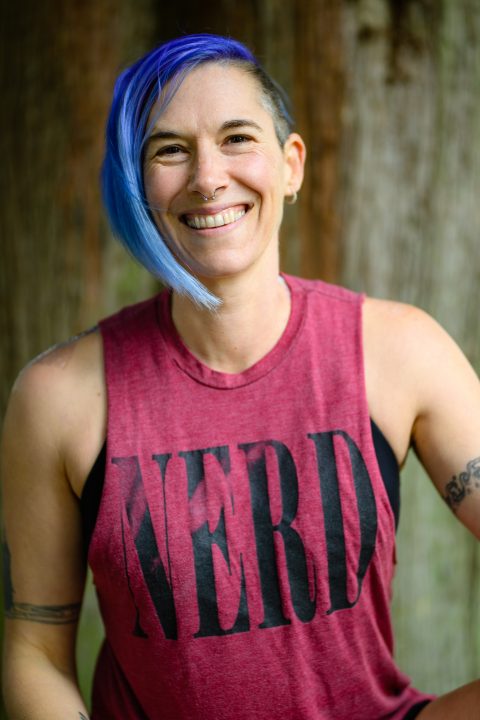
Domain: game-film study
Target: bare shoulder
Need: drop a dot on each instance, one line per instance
(81, 352)
(56, 380)
(408, 342)
(57, 404)
(391, 332)
(400, 323)
(411, 365)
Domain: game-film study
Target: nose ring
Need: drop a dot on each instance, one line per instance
(207, 197)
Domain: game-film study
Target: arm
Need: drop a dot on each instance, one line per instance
(446, 429)
(416, 368)
(43, 567)
(446, 437)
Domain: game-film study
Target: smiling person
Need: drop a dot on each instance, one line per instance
(225, 454)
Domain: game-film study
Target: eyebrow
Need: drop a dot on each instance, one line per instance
(228, 125)
(232, 124)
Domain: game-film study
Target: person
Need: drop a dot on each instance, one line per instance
(227, 452)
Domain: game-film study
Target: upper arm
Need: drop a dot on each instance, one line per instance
(43, 565)
(446, 430)
(423, 392)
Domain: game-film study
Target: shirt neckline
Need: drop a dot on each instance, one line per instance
(185, 361)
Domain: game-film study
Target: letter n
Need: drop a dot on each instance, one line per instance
(139, 520)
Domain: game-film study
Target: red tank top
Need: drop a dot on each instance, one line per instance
(244, 546)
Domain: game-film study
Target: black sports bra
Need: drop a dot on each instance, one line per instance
(92, 491)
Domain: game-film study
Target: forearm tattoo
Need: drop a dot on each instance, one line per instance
(462, 485)
(49, 614)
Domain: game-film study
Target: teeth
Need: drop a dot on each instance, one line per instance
(210, 221)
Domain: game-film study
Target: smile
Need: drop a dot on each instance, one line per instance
(227, 217)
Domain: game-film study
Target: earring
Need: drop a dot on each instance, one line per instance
(291, 199)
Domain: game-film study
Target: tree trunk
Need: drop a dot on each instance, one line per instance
(411, 222)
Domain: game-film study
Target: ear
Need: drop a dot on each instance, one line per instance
(294, 154)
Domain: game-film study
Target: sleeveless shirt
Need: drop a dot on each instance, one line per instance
(244, 548)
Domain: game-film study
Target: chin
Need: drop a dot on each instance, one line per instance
(222, 266)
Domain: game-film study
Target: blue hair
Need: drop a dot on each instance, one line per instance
(136, 91)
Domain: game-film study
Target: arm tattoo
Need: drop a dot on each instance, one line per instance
(462, 485)
(49, 614)
(82, 716)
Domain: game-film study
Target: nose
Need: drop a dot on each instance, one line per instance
(208, 173)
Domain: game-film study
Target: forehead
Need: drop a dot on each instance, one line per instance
(211, 95)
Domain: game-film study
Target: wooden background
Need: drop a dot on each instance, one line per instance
(387, 96)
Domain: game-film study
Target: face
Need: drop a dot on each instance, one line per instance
(216, 137)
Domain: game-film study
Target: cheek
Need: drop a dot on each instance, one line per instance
(161, 187)
(151, 188)
(264, 174)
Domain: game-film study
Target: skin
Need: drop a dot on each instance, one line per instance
(247, 168)
(56, 420)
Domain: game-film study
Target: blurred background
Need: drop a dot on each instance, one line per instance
(386, 94)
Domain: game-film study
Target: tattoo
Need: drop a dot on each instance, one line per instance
(49, 614)
(60, 353)
(82, 716)
(462, 485)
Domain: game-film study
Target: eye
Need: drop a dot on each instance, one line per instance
(237, 139)
(168, 151)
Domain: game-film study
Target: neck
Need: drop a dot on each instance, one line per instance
(250, 321)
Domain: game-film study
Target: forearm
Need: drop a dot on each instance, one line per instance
(462, 703)
(34, 690)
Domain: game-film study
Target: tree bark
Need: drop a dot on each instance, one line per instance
(60, 60)
(411, 222)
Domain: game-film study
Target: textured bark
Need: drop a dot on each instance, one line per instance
(319, 97)
(409, 199)
(58, 72)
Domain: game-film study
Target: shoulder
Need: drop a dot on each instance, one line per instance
(55, 401)
(406, 339)
(396, 333)
(418, 381)
(400, 319)
(55, 376)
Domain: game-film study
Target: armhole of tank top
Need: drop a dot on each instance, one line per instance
(389, 469)
(91, 497)
(93, 489)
